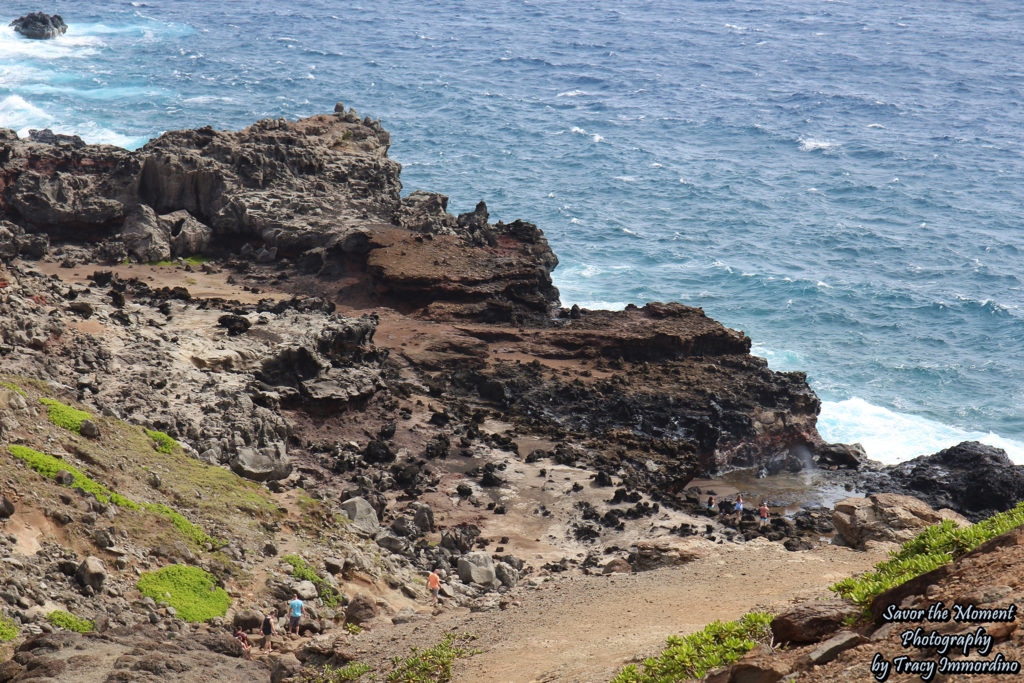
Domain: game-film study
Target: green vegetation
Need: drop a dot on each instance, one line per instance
(432, 664)
(164, 443)
(193, 260)
(718, 644)
(8, 629)
(932, 548)
(301, 570)
(13, 387)
(65, 416)
(354, 629)
(49, 466)
(333, 674)
(187, 528)
(69, 622)
(189, 590)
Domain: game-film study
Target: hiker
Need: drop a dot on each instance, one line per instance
(738, 506)
(296, 614)
(268, 628)
(244, 640)
(434, 584)
(763, 514)
(711, 503)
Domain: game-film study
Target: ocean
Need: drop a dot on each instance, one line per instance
(841, 180)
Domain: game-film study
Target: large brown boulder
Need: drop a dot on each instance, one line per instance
(887, 517)
(811, 622)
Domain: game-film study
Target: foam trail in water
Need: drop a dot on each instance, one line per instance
(892, 437)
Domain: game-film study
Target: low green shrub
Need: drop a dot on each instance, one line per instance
(301, 570)
(432, 664)
(164, 443)
(932, 548)
(13, 387)
(354, 629)
(65, 416)
(189, 590)
(8, 629)
(334, 674)
(718, 644)
(69, 622)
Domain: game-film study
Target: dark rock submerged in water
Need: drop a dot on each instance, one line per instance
(40, 26)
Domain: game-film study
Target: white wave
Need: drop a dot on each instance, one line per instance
(67, 46)
(824, 285)
(575, 221)
(630, 232)
(595, 305)
(625, 178)
(577, 129)
(875, 125)
(207, 99)
(572, 93)
(892, 437)
(809, 144)
(597, 138)
(17, 113)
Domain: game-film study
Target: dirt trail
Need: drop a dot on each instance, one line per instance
(586, 628)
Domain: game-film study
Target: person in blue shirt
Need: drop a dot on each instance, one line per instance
(296, 614)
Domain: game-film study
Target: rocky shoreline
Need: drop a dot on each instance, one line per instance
(394, 386)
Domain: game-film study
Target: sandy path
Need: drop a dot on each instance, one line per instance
(585, 628)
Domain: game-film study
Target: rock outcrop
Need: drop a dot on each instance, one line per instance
(886, 517)
(40, 26)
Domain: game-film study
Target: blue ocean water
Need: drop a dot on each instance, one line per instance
(841, 180)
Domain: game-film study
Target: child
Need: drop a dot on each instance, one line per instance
(763, 513)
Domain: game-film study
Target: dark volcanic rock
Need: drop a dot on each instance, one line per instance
(40, 26)
(971, 478)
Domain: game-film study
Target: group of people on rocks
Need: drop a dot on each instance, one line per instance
(268, 627)
(735, 507)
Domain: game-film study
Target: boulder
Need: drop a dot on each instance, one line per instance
(145, 238)
(362, 514)
(187, 235)
(265, 464)
(886, 517)
(393, 543)
(287, 666)
(40, 26)
(844, 455)
(423, 516)
(306, 590)
(247, 620)
(669, 551)
(477, 568)
(830, 649)
(361, 609)
(334, 565)
(506, 574)
(617, 566)
(92, 573)
(811, 621)
(6, 507)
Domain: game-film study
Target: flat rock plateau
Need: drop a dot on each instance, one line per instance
(380, 388)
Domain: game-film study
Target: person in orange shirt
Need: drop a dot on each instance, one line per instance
(434, 584)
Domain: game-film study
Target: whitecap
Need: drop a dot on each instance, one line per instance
(575, 221)
(874, 125)
(17, 113)
(656, 165)
(572, 93)
(629, 232)
(597, 138)
(625, 178)
(824, 285)
(577, 129)
(892, 437)
(809, 144)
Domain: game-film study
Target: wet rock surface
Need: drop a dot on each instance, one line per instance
(40, 26)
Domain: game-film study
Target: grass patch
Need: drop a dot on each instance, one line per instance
(69, 622)
(354, 629)
(718, 644)
(65, 416)
(301, 570)
(432, 664)
(13, 387)
(164, 443)
(8, 629)
(48, 466)
(188, 529)
(932, 548)
(189, 590)
(334, 674)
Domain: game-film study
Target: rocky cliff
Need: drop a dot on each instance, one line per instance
(399, 382)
